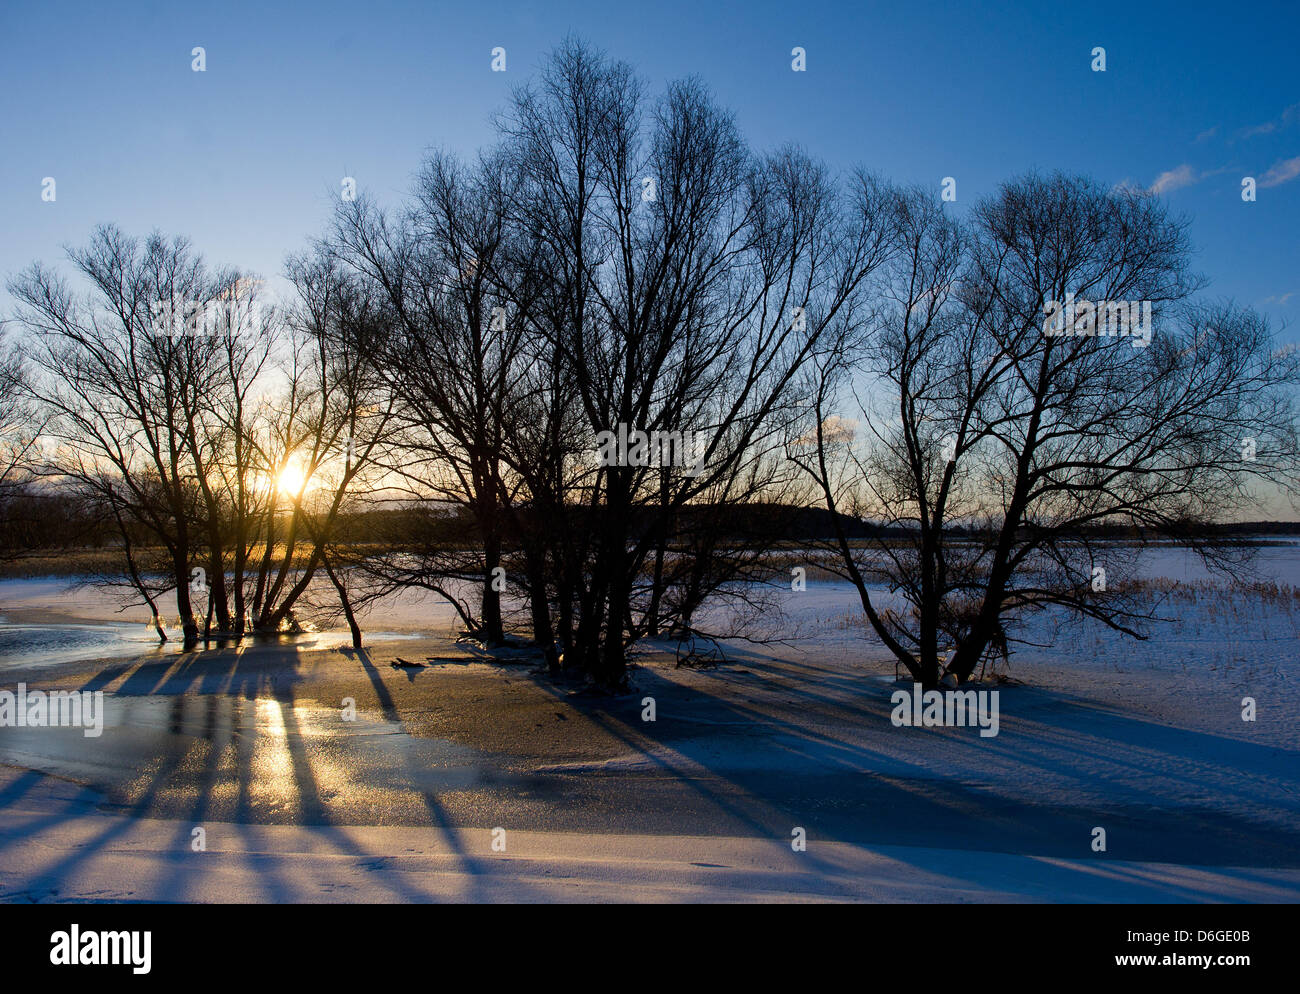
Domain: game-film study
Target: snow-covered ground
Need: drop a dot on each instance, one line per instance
(59, 848)
(1144, 739)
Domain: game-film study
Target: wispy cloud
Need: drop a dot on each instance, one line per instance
(1174, 179)
(1289, 116)
(1281, 172)
(1207, 134)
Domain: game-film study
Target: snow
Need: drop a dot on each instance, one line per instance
(1146, 739)
(58, 849)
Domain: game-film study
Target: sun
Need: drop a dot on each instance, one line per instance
(292, 480)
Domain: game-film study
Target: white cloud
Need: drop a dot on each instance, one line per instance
(1281, 172)
(834, 429)
(1289, 116)
(1174, 179)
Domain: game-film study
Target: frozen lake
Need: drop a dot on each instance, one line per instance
(53, 620)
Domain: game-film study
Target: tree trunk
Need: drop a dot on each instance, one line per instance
(189, 627)
(345, 601)
(218, 599)
(137, 582)
(493, 630)
(543, 633)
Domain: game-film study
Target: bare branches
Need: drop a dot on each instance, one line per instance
(1043, 371)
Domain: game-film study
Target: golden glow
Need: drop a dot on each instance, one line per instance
(292, 480)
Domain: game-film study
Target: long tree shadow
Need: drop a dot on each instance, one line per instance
(437, 813)
(892, 795)
(212, 758)
(719, 760)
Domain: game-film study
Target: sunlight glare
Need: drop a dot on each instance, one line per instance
(292, 480)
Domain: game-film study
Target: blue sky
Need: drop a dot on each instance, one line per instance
(245, 157)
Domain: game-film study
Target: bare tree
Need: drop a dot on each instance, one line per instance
(452, 357)
(121, 373)
(691, 281)
(198, 421)
(20, 429)
(318, 442)
(244, 337)
(996, 432)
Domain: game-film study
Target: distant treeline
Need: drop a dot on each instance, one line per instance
(47, 520)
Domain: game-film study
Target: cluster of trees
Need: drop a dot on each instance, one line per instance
(620, 261)
(194, 420)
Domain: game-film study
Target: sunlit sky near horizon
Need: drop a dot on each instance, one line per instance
(245, 157)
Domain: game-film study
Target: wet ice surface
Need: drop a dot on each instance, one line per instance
(28, 645)
(49, 645)
(260, 760)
